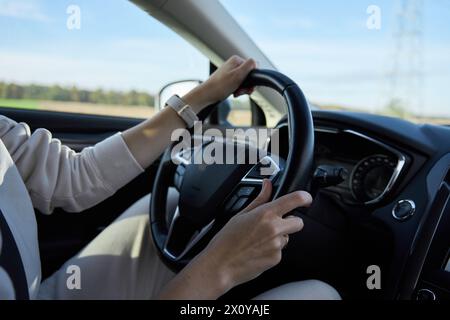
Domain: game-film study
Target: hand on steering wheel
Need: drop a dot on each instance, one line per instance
(210, 195)
(253, 240)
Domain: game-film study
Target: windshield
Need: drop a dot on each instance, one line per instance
(87, 57)
(391, 58)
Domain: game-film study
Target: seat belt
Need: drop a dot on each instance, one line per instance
(11, 261)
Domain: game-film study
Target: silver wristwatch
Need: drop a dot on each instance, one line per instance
(183, 110)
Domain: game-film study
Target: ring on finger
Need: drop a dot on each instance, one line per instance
(286, 239)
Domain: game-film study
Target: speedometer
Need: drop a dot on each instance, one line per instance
(371, 176)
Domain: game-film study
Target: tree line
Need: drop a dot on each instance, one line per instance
(74, 94)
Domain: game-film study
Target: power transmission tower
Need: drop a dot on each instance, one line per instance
(406, 78)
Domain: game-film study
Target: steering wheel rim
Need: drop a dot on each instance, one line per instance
(295, 176)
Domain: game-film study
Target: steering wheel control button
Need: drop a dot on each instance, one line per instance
(425, 295)
(230, 203)
(245, 191)
(403, 210)
(239, 205)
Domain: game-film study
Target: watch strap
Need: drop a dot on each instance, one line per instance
(183, 110)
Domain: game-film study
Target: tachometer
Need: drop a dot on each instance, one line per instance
(371, 176)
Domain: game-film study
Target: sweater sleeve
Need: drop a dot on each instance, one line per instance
(56, 176)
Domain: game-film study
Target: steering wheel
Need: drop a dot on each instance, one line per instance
(209, 195)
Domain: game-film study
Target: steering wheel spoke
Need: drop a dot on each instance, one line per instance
(183, 236)
(178, 177)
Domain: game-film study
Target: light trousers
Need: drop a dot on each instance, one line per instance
(122, 263)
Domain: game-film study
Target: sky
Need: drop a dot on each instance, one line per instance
(118, 46)
(324, 45)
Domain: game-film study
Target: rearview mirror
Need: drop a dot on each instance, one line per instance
(232, 112)
(179, 87)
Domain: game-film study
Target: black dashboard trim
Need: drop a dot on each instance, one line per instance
(402, 158)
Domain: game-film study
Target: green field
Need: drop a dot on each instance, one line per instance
(142, 112)
(19, 103)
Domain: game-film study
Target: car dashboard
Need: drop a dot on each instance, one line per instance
(371, 167)
(393, 199)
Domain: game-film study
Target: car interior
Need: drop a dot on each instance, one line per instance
(381, 185)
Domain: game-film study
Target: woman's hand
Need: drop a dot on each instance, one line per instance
(157, 131)
(222, 83)
(252, 241)
(249, 244)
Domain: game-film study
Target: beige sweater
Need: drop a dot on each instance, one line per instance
(37, 171)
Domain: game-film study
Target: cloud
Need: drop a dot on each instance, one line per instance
(27, 10)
